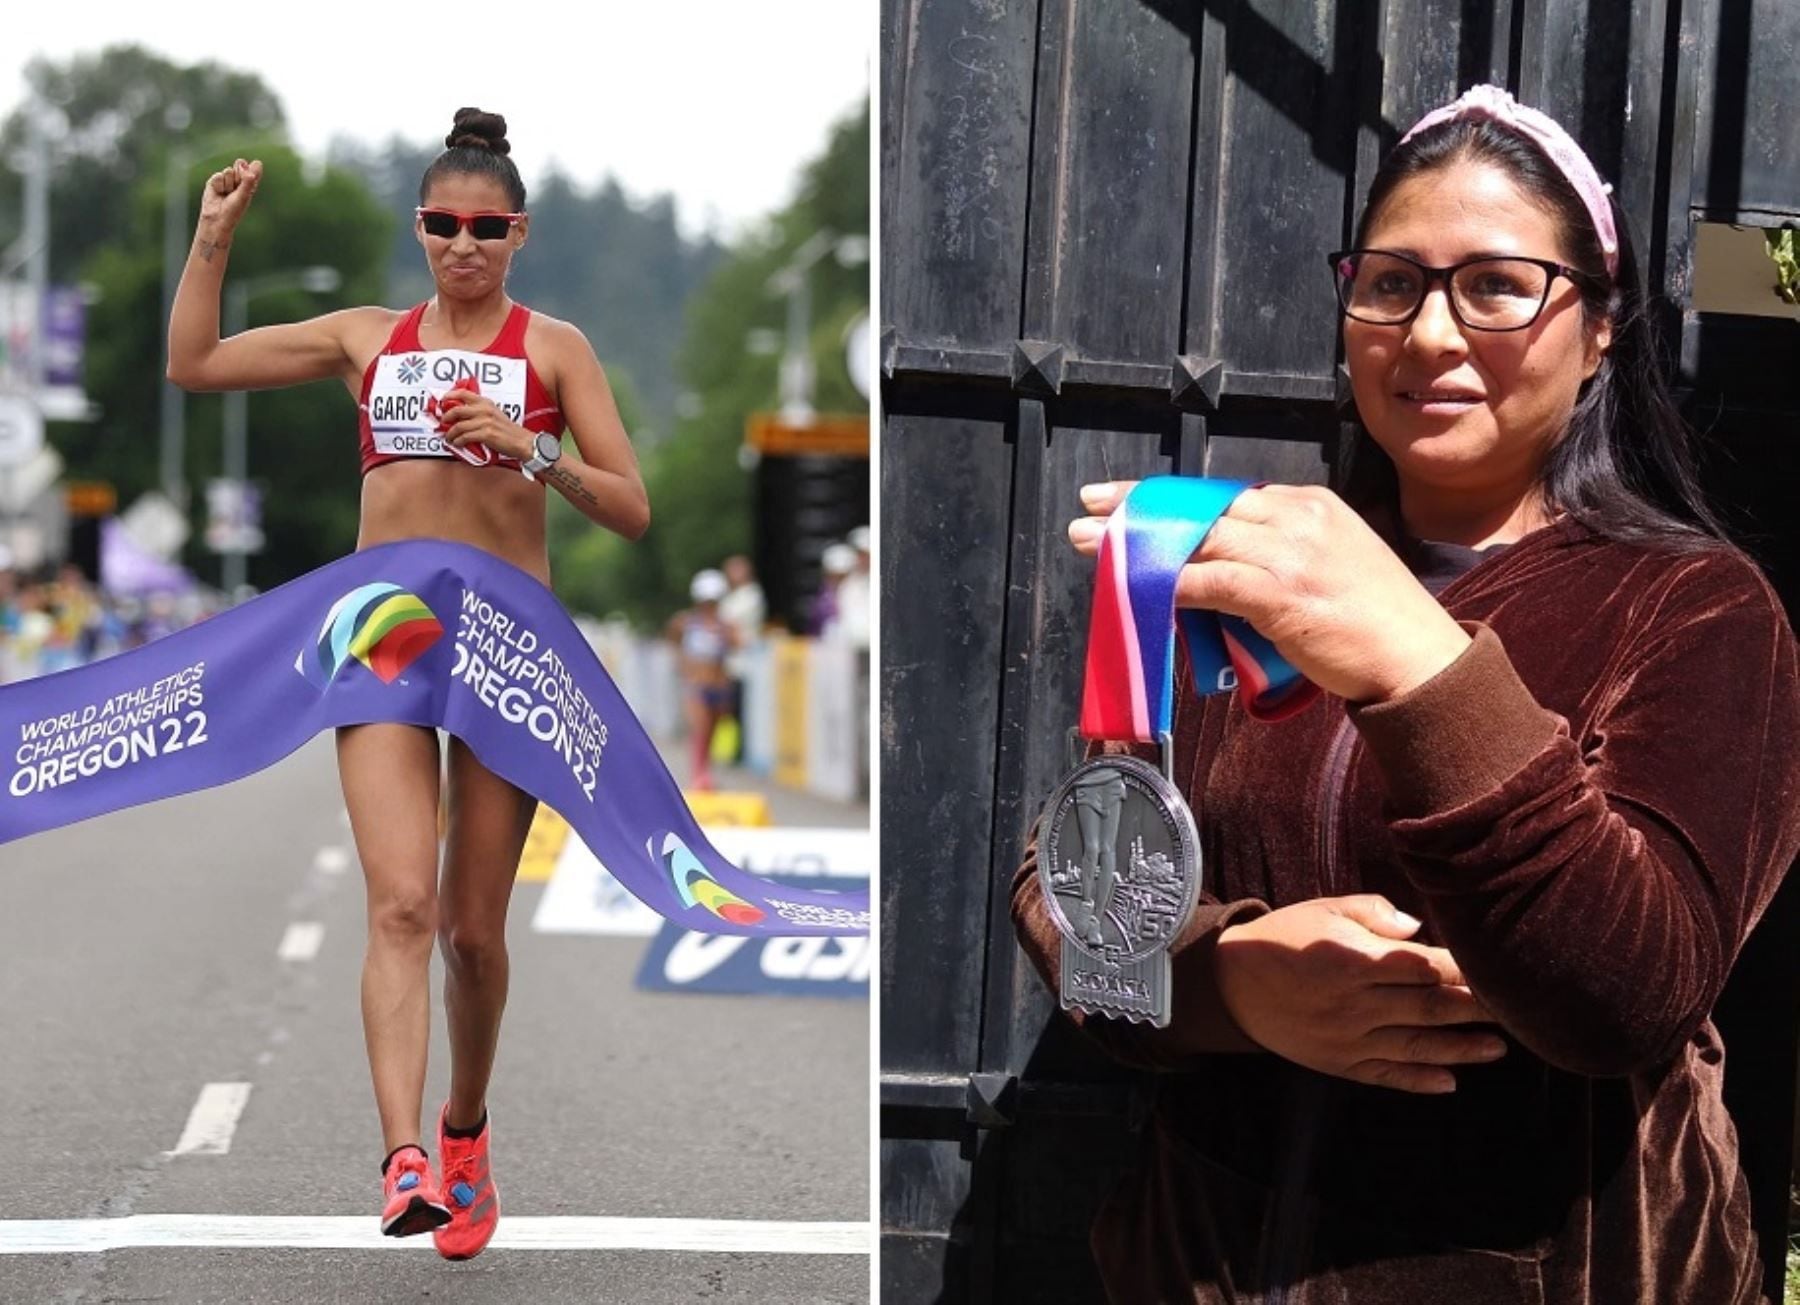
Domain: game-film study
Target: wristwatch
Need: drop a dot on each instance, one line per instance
(549, 449)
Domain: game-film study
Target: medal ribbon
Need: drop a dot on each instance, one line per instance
(1129, 688)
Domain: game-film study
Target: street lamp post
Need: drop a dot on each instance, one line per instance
(174, 399)
(792, 281)
(33, 252)
(319, 280)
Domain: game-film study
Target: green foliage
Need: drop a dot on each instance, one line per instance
(116, 135)
(111, 168)
(623, 273)
(1784, 248)
(302, 441)
(700, 493)
(594, 570)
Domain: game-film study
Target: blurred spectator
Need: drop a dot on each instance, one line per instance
(853, 595)
(744, 610)
(9, 616)
(75, 614)
(839, 560)
(34, 632)
(160, 617)
(51, 624)
(743, 607)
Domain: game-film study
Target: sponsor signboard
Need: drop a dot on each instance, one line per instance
(680, 960)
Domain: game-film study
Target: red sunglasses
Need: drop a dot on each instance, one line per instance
(483, 226)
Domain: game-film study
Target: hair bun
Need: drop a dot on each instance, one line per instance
(474, 129)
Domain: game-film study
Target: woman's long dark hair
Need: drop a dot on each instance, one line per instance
(1625, 466)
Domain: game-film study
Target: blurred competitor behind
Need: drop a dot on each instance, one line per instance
(704, 641)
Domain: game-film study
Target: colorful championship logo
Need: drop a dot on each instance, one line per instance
(412, 370)
(380, 625)
(698, 888)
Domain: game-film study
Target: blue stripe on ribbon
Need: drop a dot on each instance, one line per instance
(1167, 519)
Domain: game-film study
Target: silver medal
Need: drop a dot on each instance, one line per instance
(1119, 865)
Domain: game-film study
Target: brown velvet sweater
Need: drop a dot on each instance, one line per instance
(1590, 808)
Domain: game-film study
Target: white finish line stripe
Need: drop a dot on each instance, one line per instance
(213, 1120)
(301, 941)
(362, 1233)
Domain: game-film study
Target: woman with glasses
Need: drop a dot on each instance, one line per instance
(462, 402)
(1442, 1022)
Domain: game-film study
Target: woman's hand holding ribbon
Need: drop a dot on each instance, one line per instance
(468, 418)
(1310, 576)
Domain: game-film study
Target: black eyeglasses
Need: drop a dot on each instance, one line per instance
(444, 223)
(1486, 294)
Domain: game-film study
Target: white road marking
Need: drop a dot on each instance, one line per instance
(301, 941)
(331, 861)
(360, 1232)
(213, 1119)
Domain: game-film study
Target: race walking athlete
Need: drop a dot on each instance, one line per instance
(705, 642)
(462, 403)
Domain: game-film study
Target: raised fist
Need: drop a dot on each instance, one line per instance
(228, 193)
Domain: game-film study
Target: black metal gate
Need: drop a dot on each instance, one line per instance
(1102, 227)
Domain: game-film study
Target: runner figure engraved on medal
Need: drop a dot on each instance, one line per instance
(1119, 863)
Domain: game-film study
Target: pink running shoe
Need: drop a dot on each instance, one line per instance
(413, 1204)
(468, 1191)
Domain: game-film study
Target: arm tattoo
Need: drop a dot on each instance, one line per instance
(210, 247)
(572, 483)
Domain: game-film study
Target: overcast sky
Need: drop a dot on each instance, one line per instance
(717, 101)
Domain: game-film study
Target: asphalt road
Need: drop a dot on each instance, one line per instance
(138, 963)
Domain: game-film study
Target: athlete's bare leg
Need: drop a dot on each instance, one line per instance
(489, 820)
(702, 720)
(390, 779)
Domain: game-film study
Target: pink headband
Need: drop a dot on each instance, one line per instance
(1492, 102)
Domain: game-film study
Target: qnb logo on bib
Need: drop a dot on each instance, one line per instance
(380, 625)
(698, 888)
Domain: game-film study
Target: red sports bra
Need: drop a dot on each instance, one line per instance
(398, 412)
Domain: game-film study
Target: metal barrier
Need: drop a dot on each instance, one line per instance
(805, 704)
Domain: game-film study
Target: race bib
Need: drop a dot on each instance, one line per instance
(404, 399)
